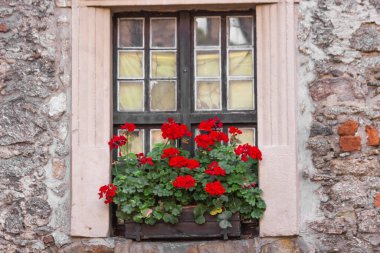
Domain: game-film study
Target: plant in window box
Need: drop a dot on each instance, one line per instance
(218, 184)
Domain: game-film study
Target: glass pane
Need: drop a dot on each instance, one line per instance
(240, 95)
(131, 32)
(240, 63)
(163, 64)
(155, 137)
(208, 63)
(131, 96)
(247, 136)
(163, 32)
(240, 31)
(208, 95)
(135, 142)
(207, 31)
(163, 95)
(131, 64)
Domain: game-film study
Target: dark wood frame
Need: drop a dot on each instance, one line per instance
(185, 80)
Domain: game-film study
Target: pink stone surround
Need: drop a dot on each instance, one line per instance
(92, 110)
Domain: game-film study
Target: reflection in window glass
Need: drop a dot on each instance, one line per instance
(207, 31)
(208, 95)
(155, 137)
(163, 64)
(131, 96)
(240, 63)
(131, 32)
(163, 32)
(247, 136)
(163, 95)
(208, 64)
(240, 31)
(240, 95)
(135, 142)
(131, 64)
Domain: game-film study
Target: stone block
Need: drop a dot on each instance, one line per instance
(3, 27)
(59, 168)
(377, 200)
(350, 143)
(372, 136)
(348, 128)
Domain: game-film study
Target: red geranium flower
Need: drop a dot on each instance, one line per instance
(192, 164)
(234, 130)
(181, 162)
(219, 136)
(185, 182)
(144, 160)
(172, 130)
(246, 151)
(204, 141)
(215, 170)
(108, 192)
(215, 188)
(170, 152)
(130, 127)
(117, 141)
(210, 124)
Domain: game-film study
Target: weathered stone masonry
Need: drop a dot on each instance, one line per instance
(338, 132)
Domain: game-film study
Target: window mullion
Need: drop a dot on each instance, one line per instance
(224, 61)
(147, 64)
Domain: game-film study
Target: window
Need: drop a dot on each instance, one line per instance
(189, 66)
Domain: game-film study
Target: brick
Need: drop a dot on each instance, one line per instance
(348, 128)
(3, 27)
(377, 199)
(372, 136)
(350, 143)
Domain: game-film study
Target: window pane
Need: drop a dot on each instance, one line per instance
(131, 64)
(240, 63)
(240, 31)
(207, 64)
(163, 95)
(208, 95)
(163, 64)
(247, 136)
(155, 137)
(207, 31)
(163, 32)
(240, 95)
(131, 96)
(131, 32)
(135, 142)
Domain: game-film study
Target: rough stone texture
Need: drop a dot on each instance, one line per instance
(339, 68)
(372, 136)
(34, 120)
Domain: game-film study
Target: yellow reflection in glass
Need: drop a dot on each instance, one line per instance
(162, 95)
(247, 136)
(208, 95)
(135, 142)
(163, 65)
(155, 137)
(131, 64)
(131, 96)
(240, 63)
(207, 64)
(240, 95)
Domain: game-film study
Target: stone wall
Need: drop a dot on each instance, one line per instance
(34, 124)
(338, 133)
(339, 44)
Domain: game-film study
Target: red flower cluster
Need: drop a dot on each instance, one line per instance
(215, 188)
(215, 170)
(205, 141)
(172, 130)
(144, 160)
(169, 153)
(180, 162)
(246, 151)
(130, 127)
(185, 182)
(210, 124)
(117, 141)
(108, 192)
(234, 130)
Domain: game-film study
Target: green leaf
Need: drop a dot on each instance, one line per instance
(199, 210)
(168, 218)
(225, 215)
(200, 219)
(224, 224)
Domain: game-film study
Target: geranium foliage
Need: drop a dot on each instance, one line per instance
(220, 180)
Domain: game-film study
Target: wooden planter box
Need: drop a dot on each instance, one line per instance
(186, 228)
